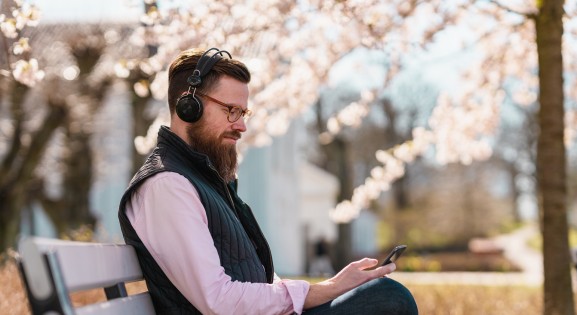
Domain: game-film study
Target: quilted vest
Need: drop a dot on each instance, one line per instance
(244, 252)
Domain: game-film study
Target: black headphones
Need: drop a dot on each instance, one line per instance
(189, 107)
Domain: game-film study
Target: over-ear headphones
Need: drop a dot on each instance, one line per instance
(189, 107)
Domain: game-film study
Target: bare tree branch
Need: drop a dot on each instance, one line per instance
(40, 138)
(530, 15)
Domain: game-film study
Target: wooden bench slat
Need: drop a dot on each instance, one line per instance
(91, 265)
(138, 304)
(52, 269)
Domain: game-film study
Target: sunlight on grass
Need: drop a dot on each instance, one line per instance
(476, 300)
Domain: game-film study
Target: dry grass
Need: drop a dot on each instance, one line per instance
(432, 299)
(477, 300)
(12, 295)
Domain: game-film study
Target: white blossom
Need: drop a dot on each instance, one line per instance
(27, 72)
(21, 46)
(8, 27)
(141, 88)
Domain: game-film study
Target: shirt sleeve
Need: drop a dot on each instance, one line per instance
(169, 218)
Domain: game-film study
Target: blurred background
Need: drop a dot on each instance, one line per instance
(448, 126)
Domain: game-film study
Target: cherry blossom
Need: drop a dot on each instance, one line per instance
(27, 72)
(24, 70)
(291, 47)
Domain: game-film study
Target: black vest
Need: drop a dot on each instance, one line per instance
(244, 252)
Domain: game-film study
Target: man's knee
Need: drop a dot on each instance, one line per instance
(397, 296)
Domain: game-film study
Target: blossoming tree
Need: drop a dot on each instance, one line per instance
(290, 48)
(19, 72)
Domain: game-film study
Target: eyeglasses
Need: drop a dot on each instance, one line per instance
(234, 112)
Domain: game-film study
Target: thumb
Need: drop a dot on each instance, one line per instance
(366, 263)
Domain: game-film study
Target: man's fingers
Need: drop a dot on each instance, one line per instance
(368, 263)
(386, 269)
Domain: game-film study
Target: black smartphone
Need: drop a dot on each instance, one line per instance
(394, 254)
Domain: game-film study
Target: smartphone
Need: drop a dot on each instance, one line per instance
(394, 254)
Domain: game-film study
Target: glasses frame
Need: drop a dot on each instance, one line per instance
(244, 113)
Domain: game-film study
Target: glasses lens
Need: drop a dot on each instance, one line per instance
(234, 114)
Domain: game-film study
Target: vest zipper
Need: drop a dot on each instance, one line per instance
(231, 202)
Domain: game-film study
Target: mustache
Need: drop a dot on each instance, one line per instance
(232, 134)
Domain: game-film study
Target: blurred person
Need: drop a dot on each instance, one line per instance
(321, 262)
(199, 245)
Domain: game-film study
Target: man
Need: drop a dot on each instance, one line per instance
(199, 245)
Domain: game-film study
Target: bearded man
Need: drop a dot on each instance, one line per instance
(199, 245)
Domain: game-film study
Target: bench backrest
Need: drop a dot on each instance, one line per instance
(52, 269)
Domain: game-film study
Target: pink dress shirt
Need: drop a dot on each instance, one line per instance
(169, 218)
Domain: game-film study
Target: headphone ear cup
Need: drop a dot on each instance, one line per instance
(189, 108)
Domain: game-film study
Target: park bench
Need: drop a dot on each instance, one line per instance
(51, 269)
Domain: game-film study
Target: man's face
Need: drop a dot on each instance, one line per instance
(213, 134)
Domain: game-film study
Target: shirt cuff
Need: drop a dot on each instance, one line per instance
(297, 290)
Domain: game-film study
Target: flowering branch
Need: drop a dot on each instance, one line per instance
(393, 162)
(24, 70)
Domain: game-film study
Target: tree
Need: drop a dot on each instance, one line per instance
(85, 94)
(40, 113)
(20, 157)
(551, 159)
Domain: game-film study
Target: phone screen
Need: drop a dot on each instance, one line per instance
(394, 254)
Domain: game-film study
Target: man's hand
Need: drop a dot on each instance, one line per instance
(352, 276)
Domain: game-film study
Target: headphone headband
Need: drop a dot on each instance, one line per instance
(204, 65)
(188, 107)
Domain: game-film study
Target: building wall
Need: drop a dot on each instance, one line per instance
(290, 198)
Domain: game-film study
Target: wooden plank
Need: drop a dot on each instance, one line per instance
(92, 265)
(37, 274)
(138, 304)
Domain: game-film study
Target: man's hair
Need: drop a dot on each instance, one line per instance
(185, 63)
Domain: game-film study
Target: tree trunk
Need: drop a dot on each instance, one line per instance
(515, 192)
(140, 124)
(74, 210)
(337, 162)
(551, 161)
(400, 187)
(338, 150)
(13, 193)
(18, 92)
(12, 201)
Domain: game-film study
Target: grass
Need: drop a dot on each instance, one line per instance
(477, 300)
(431, 299)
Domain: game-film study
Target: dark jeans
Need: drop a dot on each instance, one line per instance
(379, 296)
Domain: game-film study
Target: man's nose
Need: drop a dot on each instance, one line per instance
(239, 125)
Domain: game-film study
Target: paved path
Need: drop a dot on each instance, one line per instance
(515, 249)
(468, 278)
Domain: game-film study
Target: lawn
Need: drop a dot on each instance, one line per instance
(477, 300)
(431, 299)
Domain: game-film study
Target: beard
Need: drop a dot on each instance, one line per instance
(222, 156)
